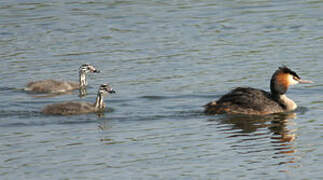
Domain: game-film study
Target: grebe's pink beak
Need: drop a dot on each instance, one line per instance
(304, 81)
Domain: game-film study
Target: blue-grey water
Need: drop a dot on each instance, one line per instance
(165, 59)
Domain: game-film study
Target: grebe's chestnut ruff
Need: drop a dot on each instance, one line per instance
(75, 107)
(246, 100)
(54, 86)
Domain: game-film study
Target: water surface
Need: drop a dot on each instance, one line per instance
(165, 59)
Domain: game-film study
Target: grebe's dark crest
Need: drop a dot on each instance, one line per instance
(246, 100)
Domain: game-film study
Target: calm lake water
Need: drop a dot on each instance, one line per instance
(165, 59)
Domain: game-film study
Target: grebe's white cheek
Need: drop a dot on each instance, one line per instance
(291, 80)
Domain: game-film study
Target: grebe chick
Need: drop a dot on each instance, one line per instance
(246, 100)
(54, 86)
(74, 107)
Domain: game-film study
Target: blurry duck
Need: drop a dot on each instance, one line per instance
(246, 100)
(54, 86)
(73, 107)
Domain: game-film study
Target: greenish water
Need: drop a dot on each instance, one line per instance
(165, 59)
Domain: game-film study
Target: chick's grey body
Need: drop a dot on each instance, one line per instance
(52, 86)
(71, 108)
(55, 86)
(74, 107)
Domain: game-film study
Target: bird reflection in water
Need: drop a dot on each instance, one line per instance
(251, 134)
(284, 138)
(82, 92)
(104, 125)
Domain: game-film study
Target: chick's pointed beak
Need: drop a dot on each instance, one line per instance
(301, 81)
(112, 91)
(93, 69)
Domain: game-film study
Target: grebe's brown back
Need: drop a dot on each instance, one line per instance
(246, 100)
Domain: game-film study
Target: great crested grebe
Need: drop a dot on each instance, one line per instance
(75, 107)
(54, 86)
(246, 100)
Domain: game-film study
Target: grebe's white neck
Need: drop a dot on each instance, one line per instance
(289, 104)
(82, 78)
(82, 91)
(99, 104)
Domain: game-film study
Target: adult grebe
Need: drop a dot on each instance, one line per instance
(54, 86)
(73, 107)
(246, 100)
